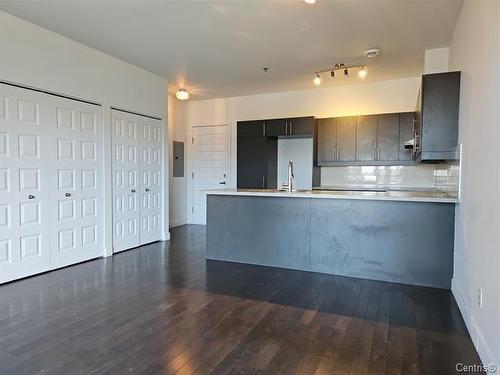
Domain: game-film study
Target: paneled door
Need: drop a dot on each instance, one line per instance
(76, 147)
(24, 183)
(210, 166)
(150, 180)
(126, 163)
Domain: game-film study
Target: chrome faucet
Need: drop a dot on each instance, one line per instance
(289, 186)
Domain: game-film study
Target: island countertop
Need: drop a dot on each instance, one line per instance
(388, 195)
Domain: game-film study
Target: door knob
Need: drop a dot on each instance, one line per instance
(67, 195)
(147, 189)
(222, 183)
(132, 191)
(31, 196)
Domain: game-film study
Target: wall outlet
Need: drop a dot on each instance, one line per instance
(480, 298)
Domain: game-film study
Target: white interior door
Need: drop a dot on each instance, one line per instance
(150, 181)
(126, 193)
(210, 166)
(76, 189)
(24, 183)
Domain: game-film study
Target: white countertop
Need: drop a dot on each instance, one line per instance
(390, 195)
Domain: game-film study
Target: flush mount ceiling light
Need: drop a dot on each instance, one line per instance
(344, 69)
(182, 94)
(310, 1)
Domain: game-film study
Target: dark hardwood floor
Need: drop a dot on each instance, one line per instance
(164, 309)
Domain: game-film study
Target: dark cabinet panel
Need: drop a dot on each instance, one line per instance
(440, 96)
(346, 138)
(388, 137)
(250, 129)
(405, 134)
(327, 139)
(366, 138)
(276, 128)
(252, 162)
(301, 126)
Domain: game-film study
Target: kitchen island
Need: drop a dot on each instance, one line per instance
(397, 236)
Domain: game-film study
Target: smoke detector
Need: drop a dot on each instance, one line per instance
(372, 52)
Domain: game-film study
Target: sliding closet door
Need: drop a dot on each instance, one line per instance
(150, 170)
(125, 180)
(75, 137)
(24, 183)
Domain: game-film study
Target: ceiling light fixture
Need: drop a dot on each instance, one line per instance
(362, 72)
(317, 79)
(310, 1)
(182, 94)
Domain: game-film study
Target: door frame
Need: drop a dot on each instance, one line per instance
(191, 166)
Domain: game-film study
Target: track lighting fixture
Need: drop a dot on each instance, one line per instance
(317, 79)
(362, 72)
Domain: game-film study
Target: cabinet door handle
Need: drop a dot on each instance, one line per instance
(264, 129)
(291, 127)
(263, 182)
(333, 153)
(338, 153)
(286, 127)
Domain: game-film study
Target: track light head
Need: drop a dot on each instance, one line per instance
(317, 79)
(332, 73)
(346, 73)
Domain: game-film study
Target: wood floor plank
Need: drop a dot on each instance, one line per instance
(164, 309)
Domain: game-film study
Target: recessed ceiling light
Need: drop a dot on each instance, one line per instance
(310, 1)
(372, 52)
(182, 94)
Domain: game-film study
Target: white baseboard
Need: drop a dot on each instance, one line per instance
(166, 236)
(475, 333)
(178, 222)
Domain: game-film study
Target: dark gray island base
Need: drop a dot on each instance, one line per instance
(397, 241)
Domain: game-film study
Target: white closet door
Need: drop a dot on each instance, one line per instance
(125, 180)
(76, 188)
(24, 183)
(150, 184)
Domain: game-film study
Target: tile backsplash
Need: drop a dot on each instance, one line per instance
(441, 176)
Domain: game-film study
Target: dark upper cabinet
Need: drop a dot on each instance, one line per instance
(437, 112)
(276, 128)
(346, 138)
(292, 127)
(406, 123)
(301, 126)
(366, 138)
(327, 140)
(251, 129)
(388, 137)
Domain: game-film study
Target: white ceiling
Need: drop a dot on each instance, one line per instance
(218, 48)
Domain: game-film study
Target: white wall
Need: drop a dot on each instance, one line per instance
(38, 58)
(475, 50)
(177, 130)
(357, 99)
